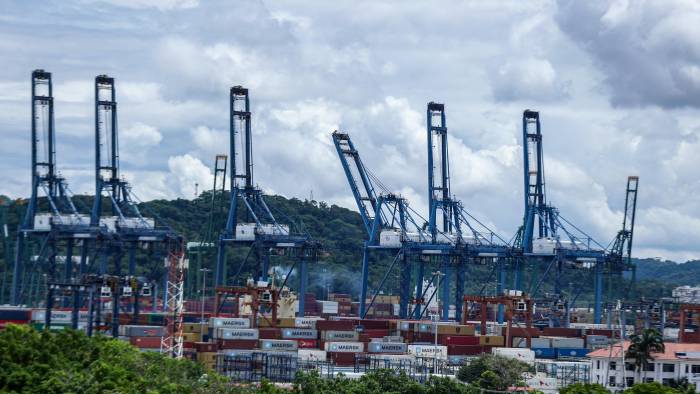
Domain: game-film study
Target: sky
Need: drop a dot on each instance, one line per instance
(617, 84)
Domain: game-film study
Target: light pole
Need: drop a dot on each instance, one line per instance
(437, 275)
(204, 292)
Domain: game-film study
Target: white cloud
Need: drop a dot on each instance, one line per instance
(189, 172)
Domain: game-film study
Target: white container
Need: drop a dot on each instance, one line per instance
(387, 347)
(229, 322)
(136, 223)
(390, 238)
(340, 336)
(329, 307)
(541, 343)
(431, 351)
(306, 322)
(394, 358)
(245, 232)
(544, 246)
(236, 333)
(299, 333)
(524, 355)
(311, 355)
(42, 222)
(558, 342)
(277, 344)
(110, 222)
(345, 347)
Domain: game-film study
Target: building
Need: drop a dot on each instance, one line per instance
(680, 360)
(687, 294)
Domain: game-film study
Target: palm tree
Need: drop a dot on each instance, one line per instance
(641, 347)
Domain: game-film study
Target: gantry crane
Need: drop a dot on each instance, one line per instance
(260, 231)
(51, 222)
(450, 223)
(127, 227)
(545, 236)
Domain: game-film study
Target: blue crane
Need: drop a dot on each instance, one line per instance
(450, 223)
(545, 235)
(260, 229)
(51, 219)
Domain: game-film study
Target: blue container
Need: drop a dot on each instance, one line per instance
(16, 314)
(572, 352)
(541, 352)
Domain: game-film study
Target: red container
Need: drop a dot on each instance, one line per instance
(523, 332)
(269, 333)
(4, 323)
(335, 325)
(145, 342)
(374, 324)
(599, 331)
(246, 344)
(188, 345)
(376, 333)
(206, 347)
(464, 350)
(307, 343)
(461, 340)
(341, 359)
(562, 332)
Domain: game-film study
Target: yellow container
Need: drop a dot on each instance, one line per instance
(455, 329)
(193, 327)
(492, 340)
(206, 357)
(191, 337)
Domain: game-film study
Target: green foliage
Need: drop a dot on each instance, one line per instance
(584, 388)
(494, 372)
(380, 381)
(70, 362)
(650, 388)
(641, 347)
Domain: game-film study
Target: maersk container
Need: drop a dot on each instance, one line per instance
(387, 347)
(345, 347)
(572, 352)
(229, 322)
(429, 351)
(544, 352)
(236, 333)
(306, 322)
(278, 344)
(337, 336)
(299, 333)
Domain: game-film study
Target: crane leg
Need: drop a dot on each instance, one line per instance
(405, 295)
(446, 269)
(501, 287)
(365, 279)
(598, 288)
(459, 289)
(419, 289)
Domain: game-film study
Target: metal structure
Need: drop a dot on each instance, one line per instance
(450, 223)
(171, 344)
(258, 298)
(259, 230)
(52, 221)
(208, 243)
(619, 258)
(546, 237)
(518, 310)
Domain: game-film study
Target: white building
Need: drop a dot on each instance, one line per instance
(687, 294)
(680, 360)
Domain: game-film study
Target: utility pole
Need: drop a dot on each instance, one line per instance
(204, 292)
(436, 316)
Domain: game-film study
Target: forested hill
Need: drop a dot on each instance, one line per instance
(341, 232)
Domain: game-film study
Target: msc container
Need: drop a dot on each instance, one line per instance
(428, 351)
(545, 352)
(311, 355)
(336, 336)
(387, 347)
(236, 333)
(238, 344)
(307, 343)
(278, 344)
(345, 347)
(571, 352)
(229, 322)
(299, 333)
(568, 343)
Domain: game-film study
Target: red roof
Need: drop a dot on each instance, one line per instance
(669, 354)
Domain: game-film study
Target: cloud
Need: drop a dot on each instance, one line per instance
(647, 52)
(528, 79)
(188, 172)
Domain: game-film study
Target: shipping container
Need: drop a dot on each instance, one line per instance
(335, 325)
(307, 344)
(238, 344)
(466, 350)
(205, 347)
(278, 344)
(341, 358)
(567, 342)
(306, 322)
(461, 340)
(492, 340)
(336, 336)
(143, 331)
(545, 352)
(145, 342)
(236, 333)
(299, 333)
(344, 347)
(229, 322)
(311, 355)
(439, 351)
(571, 352)
(387, 347)
(525, 355)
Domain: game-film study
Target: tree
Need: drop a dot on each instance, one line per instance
(494, 372)
(650, 388)
(641, 347)
(584, 388)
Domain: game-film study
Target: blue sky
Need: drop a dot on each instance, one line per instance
(617, 84)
